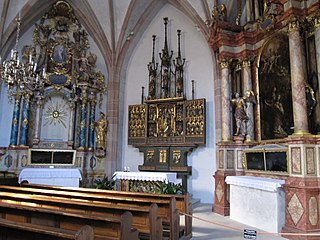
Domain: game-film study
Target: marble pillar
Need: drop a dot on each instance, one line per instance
(15, 121)
(71, 125)
(298, 81)
(25, 120)
(37, 122)
(91, 123)
(82, 142)
(225, 101)
(247, 86)
(317, 43)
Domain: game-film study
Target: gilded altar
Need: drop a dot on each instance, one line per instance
(54, 116)
(166, 126)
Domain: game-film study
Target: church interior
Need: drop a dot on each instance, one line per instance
(217, 101)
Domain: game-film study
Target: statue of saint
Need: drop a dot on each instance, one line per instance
(101, 131)
(240, 114)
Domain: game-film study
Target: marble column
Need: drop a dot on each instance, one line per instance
(247, 86)
(249, 11)
(256, 9)
(71, 124)
(37, 122)
(25, 120)
(15, 121)
(317, 43)
(91, 123)
(298, 81)
(82, 142)
(225, 101)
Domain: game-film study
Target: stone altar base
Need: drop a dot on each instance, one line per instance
(258, 202)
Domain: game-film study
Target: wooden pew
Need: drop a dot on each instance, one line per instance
(42, 217)
(28, 231)
(183, 203)
(145, 219)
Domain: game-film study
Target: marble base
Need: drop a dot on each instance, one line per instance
(257, 202)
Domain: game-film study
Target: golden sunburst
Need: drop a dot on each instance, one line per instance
(55, 113)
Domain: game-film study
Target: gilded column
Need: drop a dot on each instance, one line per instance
(247, 85)
(71, 124)
(25, 120)
(15, 121)
(91, 123)
(225, 101)
(298, 84)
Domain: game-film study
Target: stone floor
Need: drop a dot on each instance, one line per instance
(207, 231)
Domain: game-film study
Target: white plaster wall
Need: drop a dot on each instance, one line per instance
(6, 111)
(199, 67)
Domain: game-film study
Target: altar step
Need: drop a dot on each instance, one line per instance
(194, 201)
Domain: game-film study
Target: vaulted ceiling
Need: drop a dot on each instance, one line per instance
(109, 22)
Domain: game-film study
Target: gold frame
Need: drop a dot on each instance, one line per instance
(264, 151)
(53, 151)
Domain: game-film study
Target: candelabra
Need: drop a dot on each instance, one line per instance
(21, 77)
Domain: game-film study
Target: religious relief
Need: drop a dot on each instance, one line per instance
(195, 117)
(137, 115)
(166, 125)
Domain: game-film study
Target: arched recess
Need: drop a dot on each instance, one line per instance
(274, 85)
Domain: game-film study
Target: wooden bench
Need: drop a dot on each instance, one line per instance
(28, 231)
(55, 222)
(145, 219)
(183, 203)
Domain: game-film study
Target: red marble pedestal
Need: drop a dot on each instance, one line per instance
(221, 195)
(302, 208)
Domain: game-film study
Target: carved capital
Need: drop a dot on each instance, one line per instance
(225, 63)
(293, 26)
(246, 63)
(316, 21)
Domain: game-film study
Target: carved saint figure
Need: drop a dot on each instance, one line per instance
(101, 131)
(278, 113)
(240, 114)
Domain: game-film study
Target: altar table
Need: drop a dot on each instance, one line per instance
(258, 202)
(65, 177)
(126, 177)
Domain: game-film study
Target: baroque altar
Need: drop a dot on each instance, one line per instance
(166, 126)
(56, 98)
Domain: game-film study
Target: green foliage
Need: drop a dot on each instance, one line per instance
(104, 183)
(169, 188)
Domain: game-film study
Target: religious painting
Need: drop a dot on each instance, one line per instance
(59, 54)
(275, 97)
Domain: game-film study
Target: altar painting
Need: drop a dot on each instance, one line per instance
(275, 97)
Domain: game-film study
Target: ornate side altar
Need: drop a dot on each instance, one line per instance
(55, 90)
(167, 126)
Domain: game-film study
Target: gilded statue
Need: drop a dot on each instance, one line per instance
(100, 127)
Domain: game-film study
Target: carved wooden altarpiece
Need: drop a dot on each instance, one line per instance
(167, 126)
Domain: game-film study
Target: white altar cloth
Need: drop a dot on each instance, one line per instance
(147, 176)
(257, 202)
(65, 177)
(266, 184)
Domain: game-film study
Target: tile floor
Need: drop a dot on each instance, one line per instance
(207, 231)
